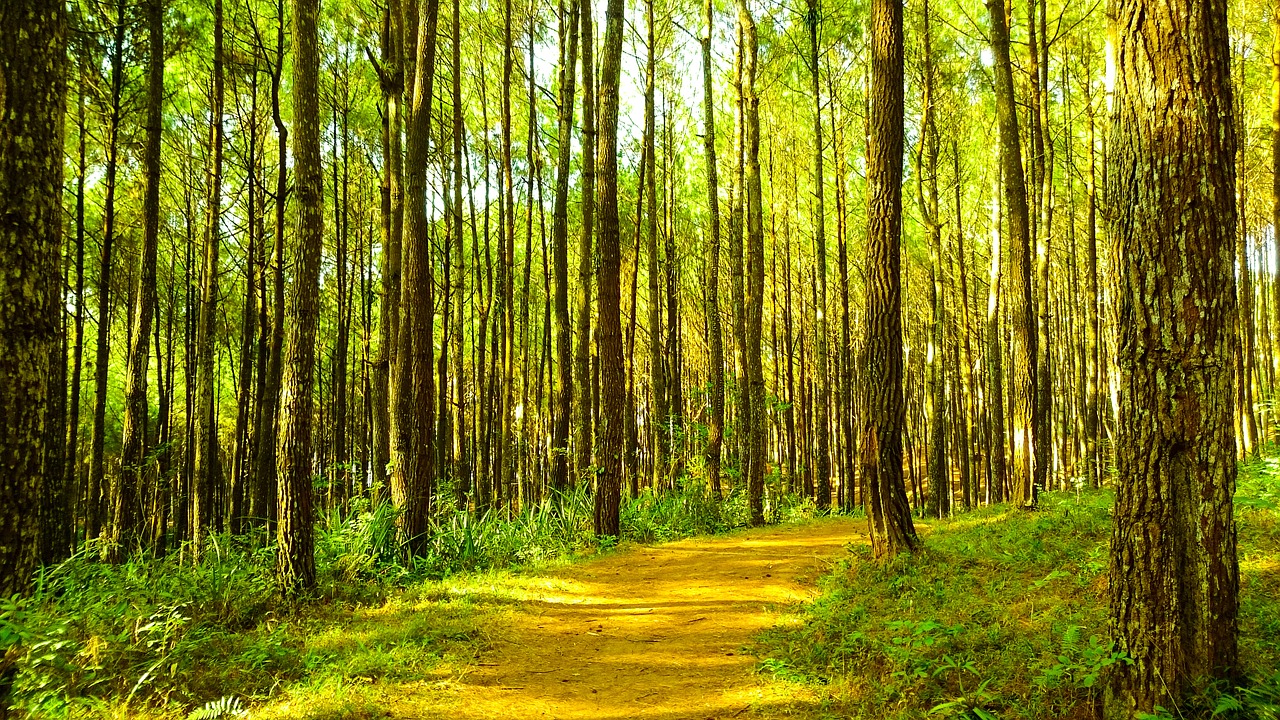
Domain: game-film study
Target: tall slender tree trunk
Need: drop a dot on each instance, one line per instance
(936, 355)
(414, 496)
(102, 357)
(612, 366)
(1024, 392)
(582, 356)
(1174, 570)
(207, 470)
(560, 251)
(755, 429)
(997, 468)
(461, 456)
(822, 469)
(715, 431)
(658, 380)
(888, 515)
(126, 534)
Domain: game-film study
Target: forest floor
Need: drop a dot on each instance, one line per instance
(657, 631)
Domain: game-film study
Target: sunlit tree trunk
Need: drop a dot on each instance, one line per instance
(1024, 390)
(1174, 571)
(295, 555)
(888, 515)
(612, 368)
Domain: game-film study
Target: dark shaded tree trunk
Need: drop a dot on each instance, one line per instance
(33, 83)
(582, 357)
(127, 515)
(560, 253)
(207, 477)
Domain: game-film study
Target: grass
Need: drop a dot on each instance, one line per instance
(1003, 615)
(165, 638)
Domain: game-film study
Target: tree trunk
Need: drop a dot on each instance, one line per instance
(207, 470)
(612, 367)
(31, 127)
(715, 431)
(295, 556)
(1174, 571)
(126, 535)
(888, 515)
(560, 253)
(102, 357)
(582, 357)
(1021, 306)
(755, 429)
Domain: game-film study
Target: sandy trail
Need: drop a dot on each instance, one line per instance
(652, 632)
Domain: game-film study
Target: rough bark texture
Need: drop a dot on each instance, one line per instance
(295, 556)
(1023, 392)
(1174, 572)
(888, 514)
(612, 367)
(32, 104)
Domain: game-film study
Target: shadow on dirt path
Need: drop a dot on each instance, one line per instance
(652, 632)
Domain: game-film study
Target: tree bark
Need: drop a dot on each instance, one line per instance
(715, 431)
(32, 104)
(888, 515)
(295, 556)
(1174, 570)
(612, 366)
(126, 535)
(560, 254)
(1021, 307)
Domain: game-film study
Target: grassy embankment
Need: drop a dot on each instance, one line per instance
(1003, 615)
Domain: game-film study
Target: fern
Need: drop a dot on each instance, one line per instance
(223, 707)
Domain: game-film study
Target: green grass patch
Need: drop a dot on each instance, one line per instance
(1003, 615)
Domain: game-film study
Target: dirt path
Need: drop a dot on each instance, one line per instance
(653, 632)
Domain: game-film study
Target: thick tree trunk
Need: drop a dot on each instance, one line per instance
(33, 87)
(888, 515)
(1174, 571)
(295, 555)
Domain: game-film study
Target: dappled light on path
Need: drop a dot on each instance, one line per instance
(650, 632)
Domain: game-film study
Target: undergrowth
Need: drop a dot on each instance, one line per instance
(165, 637)
(1003, 615)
